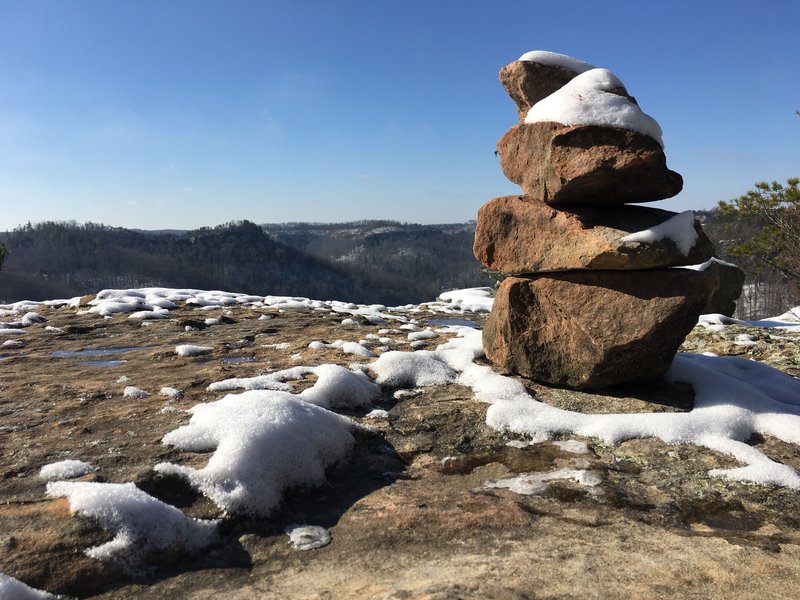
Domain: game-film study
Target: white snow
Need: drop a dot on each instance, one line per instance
(192, 350)
(347, 347)
(132, 391)
(139, 522)
(12, 344)
(340, 388)
(264, 442)
(679, 228)
(478, 299)
(65, 469)
(588, 100)
(425, 334)
(411, 369)
(170, 392)
(557, 60)
(377, 413)
(10, 331)
(14, 589)
(711, 261)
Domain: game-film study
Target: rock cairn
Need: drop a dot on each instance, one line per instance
(588, 297)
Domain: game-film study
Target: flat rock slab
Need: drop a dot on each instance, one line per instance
(593, 329)
(584, 164)
(516, 234)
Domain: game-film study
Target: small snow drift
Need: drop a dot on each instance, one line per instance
(140, 523)
(264, 443)
(65, 469)
(411, 369)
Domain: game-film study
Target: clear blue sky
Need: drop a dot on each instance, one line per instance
(178, 114)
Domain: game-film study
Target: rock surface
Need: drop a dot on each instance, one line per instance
(527, 82)
(730, 280)
(560, 164)
(591, 329)
(408, 514)
(516, 235)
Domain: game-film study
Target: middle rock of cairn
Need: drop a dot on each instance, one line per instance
(588, 298)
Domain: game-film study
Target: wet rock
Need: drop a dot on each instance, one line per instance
(515, 234)
(560, 164)
(593, 329)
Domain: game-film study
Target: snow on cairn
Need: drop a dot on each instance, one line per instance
(139, 522)
(556, 60)
(588, 100)
(680, 229)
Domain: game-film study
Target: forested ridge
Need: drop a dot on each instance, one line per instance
(362, 262)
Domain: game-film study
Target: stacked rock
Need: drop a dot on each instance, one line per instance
(589, 298)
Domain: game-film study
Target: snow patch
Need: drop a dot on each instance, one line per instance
(680, 229)
(588, 100)
(556, 60)
(65, 469)
(139, 522)
(264, 443)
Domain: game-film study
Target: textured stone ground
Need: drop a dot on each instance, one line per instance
(406, 513)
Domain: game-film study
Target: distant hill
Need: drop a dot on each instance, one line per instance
(370, 262)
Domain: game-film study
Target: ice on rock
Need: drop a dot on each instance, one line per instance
(65, 469)
(308, 537)
(139, 522)
(425, 334)
(264, 443)
(588, 100)
(479, 299)
(530, 484)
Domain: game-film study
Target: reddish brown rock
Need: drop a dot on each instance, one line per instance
(515, 234)
(593, 329)
(527, 82)
(561, 164)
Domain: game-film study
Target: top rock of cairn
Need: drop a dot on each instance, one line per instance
(582, 138)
